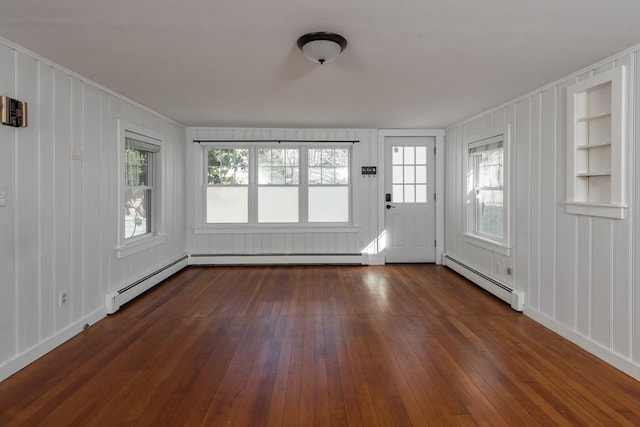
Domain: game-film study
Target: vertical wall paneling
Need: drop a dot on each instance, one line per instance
(579, 273)
(8, 310)
(58, 231)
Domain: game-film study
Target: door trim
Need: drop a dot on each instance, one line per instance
(439, 185)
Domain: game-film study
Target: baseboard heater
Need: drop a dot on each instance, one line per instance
(514, 297)
(271, 259)
(114, 300)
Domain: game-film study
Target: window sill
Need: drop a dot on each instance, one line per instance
(488, 244)
(607, 210)
(143, 244)
(294, 228)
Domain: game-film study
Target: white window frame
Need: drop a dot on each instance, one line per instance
(154, 142)
(472, 235)
(253, 225)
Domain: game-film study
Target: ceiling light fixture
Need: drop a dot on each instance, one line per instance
(322, 47)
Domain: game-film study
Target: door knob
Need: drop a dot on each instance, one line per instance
(390, 206)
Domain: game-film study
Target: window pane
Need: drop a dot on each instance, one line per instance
(409, 174)
(315, 175)
(491, 212)
(315, 157)
(342, 157)
(398, 194)
(264, 175)
(409, 155)
(228, 166)
(409, 194)
(137, 218)
(328, 204)
(421, 155)
(421, 174)
(136, 167)
(328, 176)
(327, 157)
(227, 204)
(421, 194)
(396, 156)
(490, 169)
(342, 175)
(278, 204)
(398, 175)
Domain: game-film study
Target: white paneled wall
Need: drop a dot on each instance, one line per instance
(578, 272)
(59, 228)
(333, 240)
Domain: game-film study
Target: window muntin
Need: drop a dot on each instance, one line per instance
(487, 164)
(227, 192)
(267, 184)
(409, 174)
(139, 188)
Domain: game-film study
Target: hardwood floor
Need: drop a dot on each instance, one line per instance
(318, 345)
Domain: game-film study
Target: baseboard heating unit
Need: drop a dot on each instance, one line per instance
(514, 297)
(271, 259)
(114, 300)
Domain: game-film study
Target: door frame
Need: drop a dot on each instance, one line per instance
(439, 184)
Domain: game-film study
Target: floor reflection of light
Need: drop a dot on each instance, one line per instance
(378, 288)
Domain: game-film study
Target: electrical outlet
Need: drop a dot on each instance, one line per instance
(62, 298)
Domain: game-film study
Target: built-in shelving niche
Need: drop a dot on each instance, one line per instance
(596, 132)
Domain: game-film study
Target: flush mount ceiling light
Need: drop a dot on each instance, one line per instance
(322, 47)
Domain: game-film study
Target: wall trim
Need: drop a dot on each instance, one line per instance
(29, 356)
(601, 352)
(279, 259)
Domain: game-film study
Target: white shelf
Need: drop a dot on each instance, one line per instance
(594, 117)
(595, 145)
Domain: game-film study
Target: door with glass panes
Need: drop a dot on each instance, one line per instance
(409, 199)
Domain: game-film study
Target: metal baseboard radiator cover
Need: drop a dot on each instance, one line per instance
(114, 300)
(514, 297)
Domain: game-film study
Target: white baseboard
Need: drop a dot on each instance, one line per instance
(198, 259)
(23, 359)
(625, 365)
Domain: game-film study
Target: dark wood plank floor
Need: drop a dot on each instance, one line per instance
(325, 346)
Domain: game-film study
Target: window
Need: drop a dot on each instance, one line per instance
(275, 184)
(409, 174)
(228, 185)
(278, 184)
(487, 185)
(328, 177)
(487, 164)
(140, 188)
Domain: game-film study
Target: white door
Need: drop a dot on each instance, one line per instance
(409, 199)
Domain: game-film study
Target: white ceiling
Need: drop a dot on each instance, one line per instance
(408, 63)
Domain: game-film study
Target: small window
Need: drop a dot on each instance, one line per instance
(488, 165)
(139, 187)
(487, 203)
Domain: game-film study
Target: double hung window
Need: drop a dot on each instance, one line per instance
(139, 187)
(487, 204)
